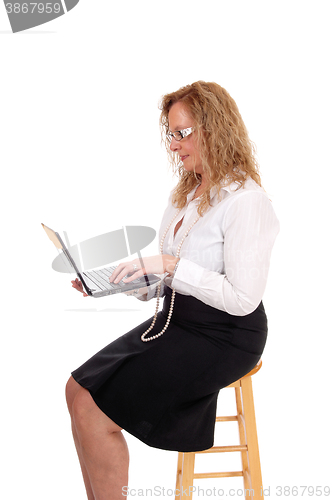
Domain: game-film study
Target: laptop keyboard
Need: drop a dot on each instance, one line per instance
(100, 278)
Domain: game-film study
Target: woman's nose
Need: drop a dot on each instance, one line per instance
(174, 145)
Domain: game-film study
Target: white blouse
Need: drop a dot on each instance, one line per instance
(225, 258)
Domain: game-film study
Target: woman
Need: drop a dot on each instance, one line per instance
(160, 381)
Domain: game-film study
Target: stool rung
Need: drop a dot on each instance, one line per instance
(225, 449)
(208, 475)
(227, 419)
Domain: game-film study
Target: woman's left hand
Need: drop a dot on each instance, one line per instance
(158, 264)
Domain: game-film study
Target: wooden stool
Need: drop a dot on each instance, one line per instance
(251, 467)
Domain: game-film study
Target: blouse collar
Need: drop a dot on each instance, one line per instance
(215, 197)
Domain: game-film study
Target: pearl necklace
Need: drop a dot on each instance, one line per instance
(170, 312)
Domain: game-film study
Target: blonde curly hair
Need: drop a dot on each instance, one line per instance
(226, 151)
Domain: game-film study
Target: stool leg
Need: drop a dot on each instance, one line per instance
(251, 435)
(243, 441)
(185, 476)
(179, 475)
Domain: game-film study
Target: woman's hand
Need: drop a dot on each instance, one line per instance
(158, 264)
(78, 285)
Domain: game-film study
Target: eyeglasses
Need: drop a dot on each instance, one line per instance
(179, 134)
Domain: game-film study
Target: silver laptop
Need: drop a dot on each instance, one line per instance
(96, 282)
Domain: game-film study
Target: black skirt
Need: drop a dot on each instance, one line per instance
(165, 391)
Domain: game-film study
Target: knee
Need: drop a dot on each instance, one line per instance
(82, 408)
(72, 389)
(88, 418)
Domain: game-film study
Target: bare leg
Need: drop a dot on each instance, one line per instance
(86, 479)
(72, 389)
(102, 449)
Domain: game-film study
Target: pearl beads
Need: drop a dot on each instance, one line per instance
(170, 312)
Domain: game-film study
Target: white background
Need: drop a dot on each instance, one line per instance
(80, 141)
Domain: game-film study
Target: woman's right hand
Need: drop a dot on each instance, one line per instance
(78, 285)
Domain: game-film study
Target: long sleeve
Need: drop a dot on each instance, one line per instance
(234, 277)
